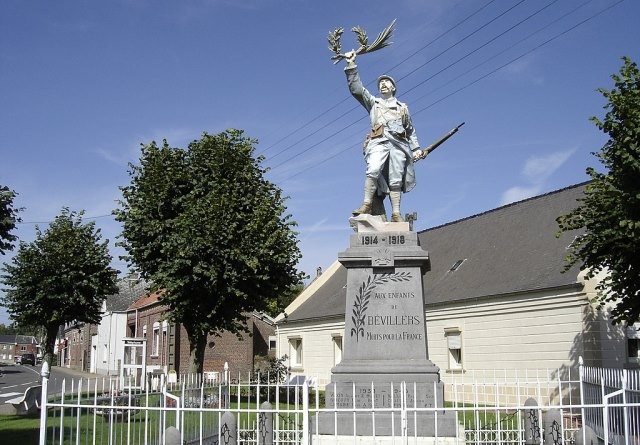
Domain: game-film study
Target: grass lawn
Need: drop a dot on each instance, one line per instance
(19, 430)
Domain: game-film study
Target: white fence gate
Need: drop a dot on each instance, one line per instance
(490, 408)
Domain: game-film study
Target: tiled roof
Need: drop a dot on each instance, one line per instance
(129, 290)
(510, 249)
(145, 300)
(18, 339)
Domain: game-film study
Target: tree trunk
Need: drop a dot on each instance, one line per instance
(49, 345)
(197, 345)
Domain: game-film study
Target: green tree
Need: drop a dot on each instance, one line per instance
(61, 277)
(205, 227)
(278, 304)
(609, 213)
(8, 219)
(8, 329)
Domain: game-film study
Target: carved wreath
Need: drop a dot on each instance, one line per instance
(361, 303)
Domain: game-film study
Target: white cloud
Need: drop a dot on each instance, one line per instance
(539, 168)
(515, 194)
(536, 171)
(322, 226)
(110, 156)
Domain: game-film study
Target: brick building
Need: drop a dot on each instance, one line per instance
(145, 320)
(14, 345)
(238, 352)
(74, 349)
(167, 347)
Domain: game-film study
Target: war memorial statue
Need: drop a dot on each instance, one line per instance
(391, 147)
(385, 361)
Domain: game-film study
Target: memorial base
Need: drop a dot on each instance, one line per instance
(322, 439)
(386, 405)
(385, 384)
(422, 425)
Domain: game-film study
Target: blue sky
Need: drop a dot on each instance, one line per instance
(83, 84)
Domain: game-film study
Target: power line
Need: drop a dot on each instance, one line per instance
(50, 221)
(485, 61)
(521, 56)
(481, 46)
(465, 38)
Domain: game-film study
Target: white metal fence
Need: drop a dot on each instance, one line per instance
(496, 408)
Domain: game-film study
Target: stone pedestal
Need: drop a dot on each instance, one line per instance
(385, 362)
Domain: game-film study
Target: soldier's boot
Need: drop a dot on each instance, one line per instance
(365, 209)
(394, 197)
(377, 207)
(369, 190)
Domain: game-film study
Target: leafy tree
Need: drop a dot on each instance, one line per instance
(9, 329)
(8, 219)
(609, 213)
(278, 304)
(61, 277)
(205, 227)
(15, 328)
(271, 369)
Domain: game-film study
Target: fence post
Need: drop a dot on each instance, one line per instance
(583, 413)
(552, 426)
(228, 434)
(172, 436)
(43, 402)
(265, 424)
(625, 412)
(305, 413)
(605, 412)
(531, 422)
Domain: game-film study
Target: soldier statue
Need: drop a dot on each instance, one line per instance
(391, 146)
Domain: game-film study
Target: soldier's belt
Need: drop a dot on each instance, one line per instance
(376, 132)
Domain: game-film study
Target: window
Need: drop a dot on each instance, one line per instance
(156, 339)
(165, 325)
(337, 348)
(105, 353)
(295, 352)
(273, 343)
(457, 265)
(633, 343)
(454, 346)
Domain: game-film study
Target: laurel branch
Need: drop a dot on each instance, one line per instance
(380, 42)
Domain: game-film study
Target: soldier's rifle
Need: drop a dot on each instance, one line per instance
(436, 144)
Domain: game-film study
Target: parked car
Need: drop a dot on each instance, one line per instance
(18, 359)
(28, 359)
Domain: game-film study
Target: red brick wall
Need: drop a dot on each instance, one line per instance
(78, 353)
(229, 348)
(148, 316)
(28, 347)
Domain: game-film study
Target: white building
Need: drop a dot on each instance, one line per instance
(107, 346)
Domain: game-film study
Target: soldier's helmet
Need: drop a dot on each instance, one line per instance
(386, 76)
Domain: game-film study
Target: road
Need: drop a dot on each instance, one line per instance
(16, 379)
